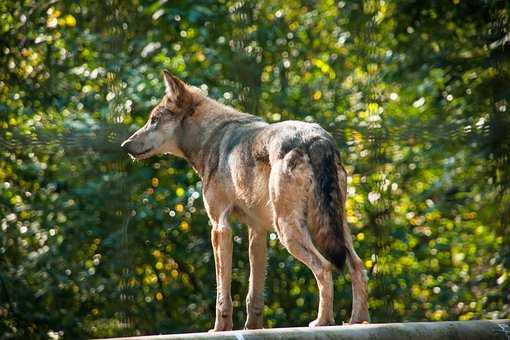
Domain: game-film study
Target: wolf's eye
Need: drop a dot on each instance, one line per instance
(154, 119)
(166, 111)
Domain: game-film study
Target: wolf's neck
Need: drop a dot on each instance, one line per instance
(203, 132)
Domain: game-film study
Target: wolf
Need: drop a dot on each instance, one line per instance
(284, 177)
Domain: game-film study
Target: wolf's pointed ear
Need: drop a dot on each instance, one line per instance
(174, 86)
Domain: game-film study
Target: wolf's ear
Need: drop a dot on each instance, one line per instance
(174, 86)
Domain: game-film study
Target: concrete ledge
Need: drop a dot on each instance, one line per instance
(465, 330)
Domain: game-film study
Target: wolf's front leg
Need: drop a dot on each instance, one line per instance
(221, 236)
(258, 261)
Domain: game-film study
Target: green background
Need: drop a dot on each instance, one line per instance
(415, 92)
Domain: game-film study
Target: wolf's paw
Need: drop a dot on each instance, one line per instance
(355, 323)
(317, 323)
(360, 315)
(359, 320)
(250, 324)
(222, 325)
(214, 330)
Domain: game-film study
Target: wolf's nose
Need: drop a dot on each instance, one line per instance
(125, 145)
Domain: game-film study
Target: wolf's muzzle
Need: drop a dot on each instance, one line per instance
(125, 145)
(128, 146)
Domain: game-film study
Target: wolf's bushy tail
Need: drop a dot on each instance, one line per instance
(325, 207)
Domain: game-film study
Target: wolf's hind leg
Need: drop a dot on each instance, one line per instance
(357, 271)
(289, 183)
(359, 312)
(258, 261)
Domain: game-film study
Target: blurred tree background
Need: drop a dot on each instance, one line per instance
(416, 93)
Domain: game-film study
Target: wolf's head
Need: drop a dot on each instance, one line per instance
(161, 132)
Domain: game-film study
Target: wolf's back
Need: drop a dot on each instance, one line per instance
(325, 207)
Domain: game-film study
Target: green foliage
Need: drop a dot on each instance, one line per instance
(416, 92)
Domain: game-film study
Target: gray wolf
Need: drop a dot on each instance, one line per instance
(285, 177)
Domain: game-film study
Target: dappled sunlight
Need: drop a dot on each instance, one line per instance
(93, 244)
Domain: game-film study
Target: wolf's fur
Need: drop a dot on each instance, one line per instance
(285, 177)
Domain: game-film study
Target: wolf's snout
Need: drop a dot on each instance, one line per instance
(129, 146)
(125, 145)
(136, 149)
